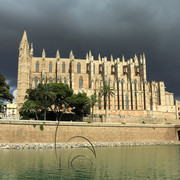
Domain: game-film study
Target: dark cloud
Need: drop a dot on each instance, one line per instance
(108, 27)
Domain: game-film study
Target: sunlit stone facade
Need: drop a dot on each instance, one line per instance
(134, 95)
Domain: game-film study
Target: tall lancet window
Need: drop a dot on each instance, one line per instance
(78, 68)
(80, 82)
(135, 90)
(122, 92)
(94, 69)
(127, 103)
(50, 67)
(35, 83)
(63, 67)
(64, 80)
(37, 66)
(150, 103)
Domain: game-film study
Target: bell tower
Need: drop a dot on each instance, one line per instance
(24, 62)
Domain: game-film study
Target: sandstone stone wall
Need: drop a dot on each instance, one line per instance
(29, 132)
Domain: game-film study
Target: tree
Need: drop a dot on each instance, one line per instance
(80, 104)
(106, 91)
(29, 107)
(93, 100)
(63, 95)
(55, 96)
(34, 97)
(4, 91)
(45, 96)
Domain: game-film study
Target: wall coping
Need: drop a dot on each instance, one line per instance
(85, 124)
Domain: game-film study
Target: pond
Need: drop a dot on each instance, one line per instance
(136, 162)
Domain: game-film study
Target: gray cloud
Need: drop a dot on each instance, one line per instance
(104, 26)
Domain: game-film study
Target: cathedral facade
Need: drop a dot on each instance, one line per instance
(133, 94)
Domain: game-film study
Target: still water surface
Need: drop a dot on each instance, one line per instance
(142, 162)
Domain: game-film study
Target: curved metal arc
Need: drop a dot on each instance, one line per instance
(81, 155)
(58, 125)
(76, 149)
(93, 149)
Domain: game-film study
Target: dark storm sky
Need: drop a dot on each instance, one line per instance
(104, 26)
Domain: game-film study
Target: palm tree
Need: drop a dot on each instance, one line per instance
(106, 91)
(28, 107)
(92, 102)
(46, 96)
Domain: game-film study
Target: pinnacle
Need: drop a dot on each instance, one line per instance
(57, 54)
(71, 53)
(24, 38)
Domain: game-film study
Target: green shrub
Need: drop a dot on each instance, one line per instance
(41, 127)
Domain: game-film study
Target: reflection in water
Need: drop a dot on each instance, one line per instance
(142, 162)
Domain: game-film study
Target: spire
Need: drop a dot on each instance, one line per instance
(71, 55)
(144, 58)
(118, 60)
(140, 59)
(123, 59)
(87, 57)
(43, 54)
(90, 53)
(136, 60)
(24, 38)
(99, 57)
(31, 50)
(135, 56)
(24, 46)
(57, 54)
(105, 59)
(111, 58)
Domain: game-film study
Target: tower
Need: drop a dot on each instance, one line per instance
(24, 62)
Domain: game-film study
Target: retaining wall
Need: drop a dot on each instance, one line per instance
(29, 132)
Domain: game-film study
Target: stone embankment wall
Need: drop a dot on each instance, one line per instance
(31, 132)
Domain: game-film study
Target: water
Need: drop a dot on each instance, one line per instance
(141, 162)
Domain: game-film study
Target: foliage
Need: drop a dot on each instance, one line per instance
(45, 96)
(28, 107)
(50, 99)
(106, 91)
(41, 127)
(4, 91)
(92, 101)
(63, 94)
(80, 105)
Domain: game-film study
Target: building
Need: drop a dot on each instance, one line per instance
(10, 109)
(177, 103)
(134, 95)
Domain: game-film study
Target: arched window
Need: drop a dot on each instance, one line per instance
(64, 80)
(50, 67)
(78, 68)
(37, 66)
(80, 82)
(63, 67)
(35, 83)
